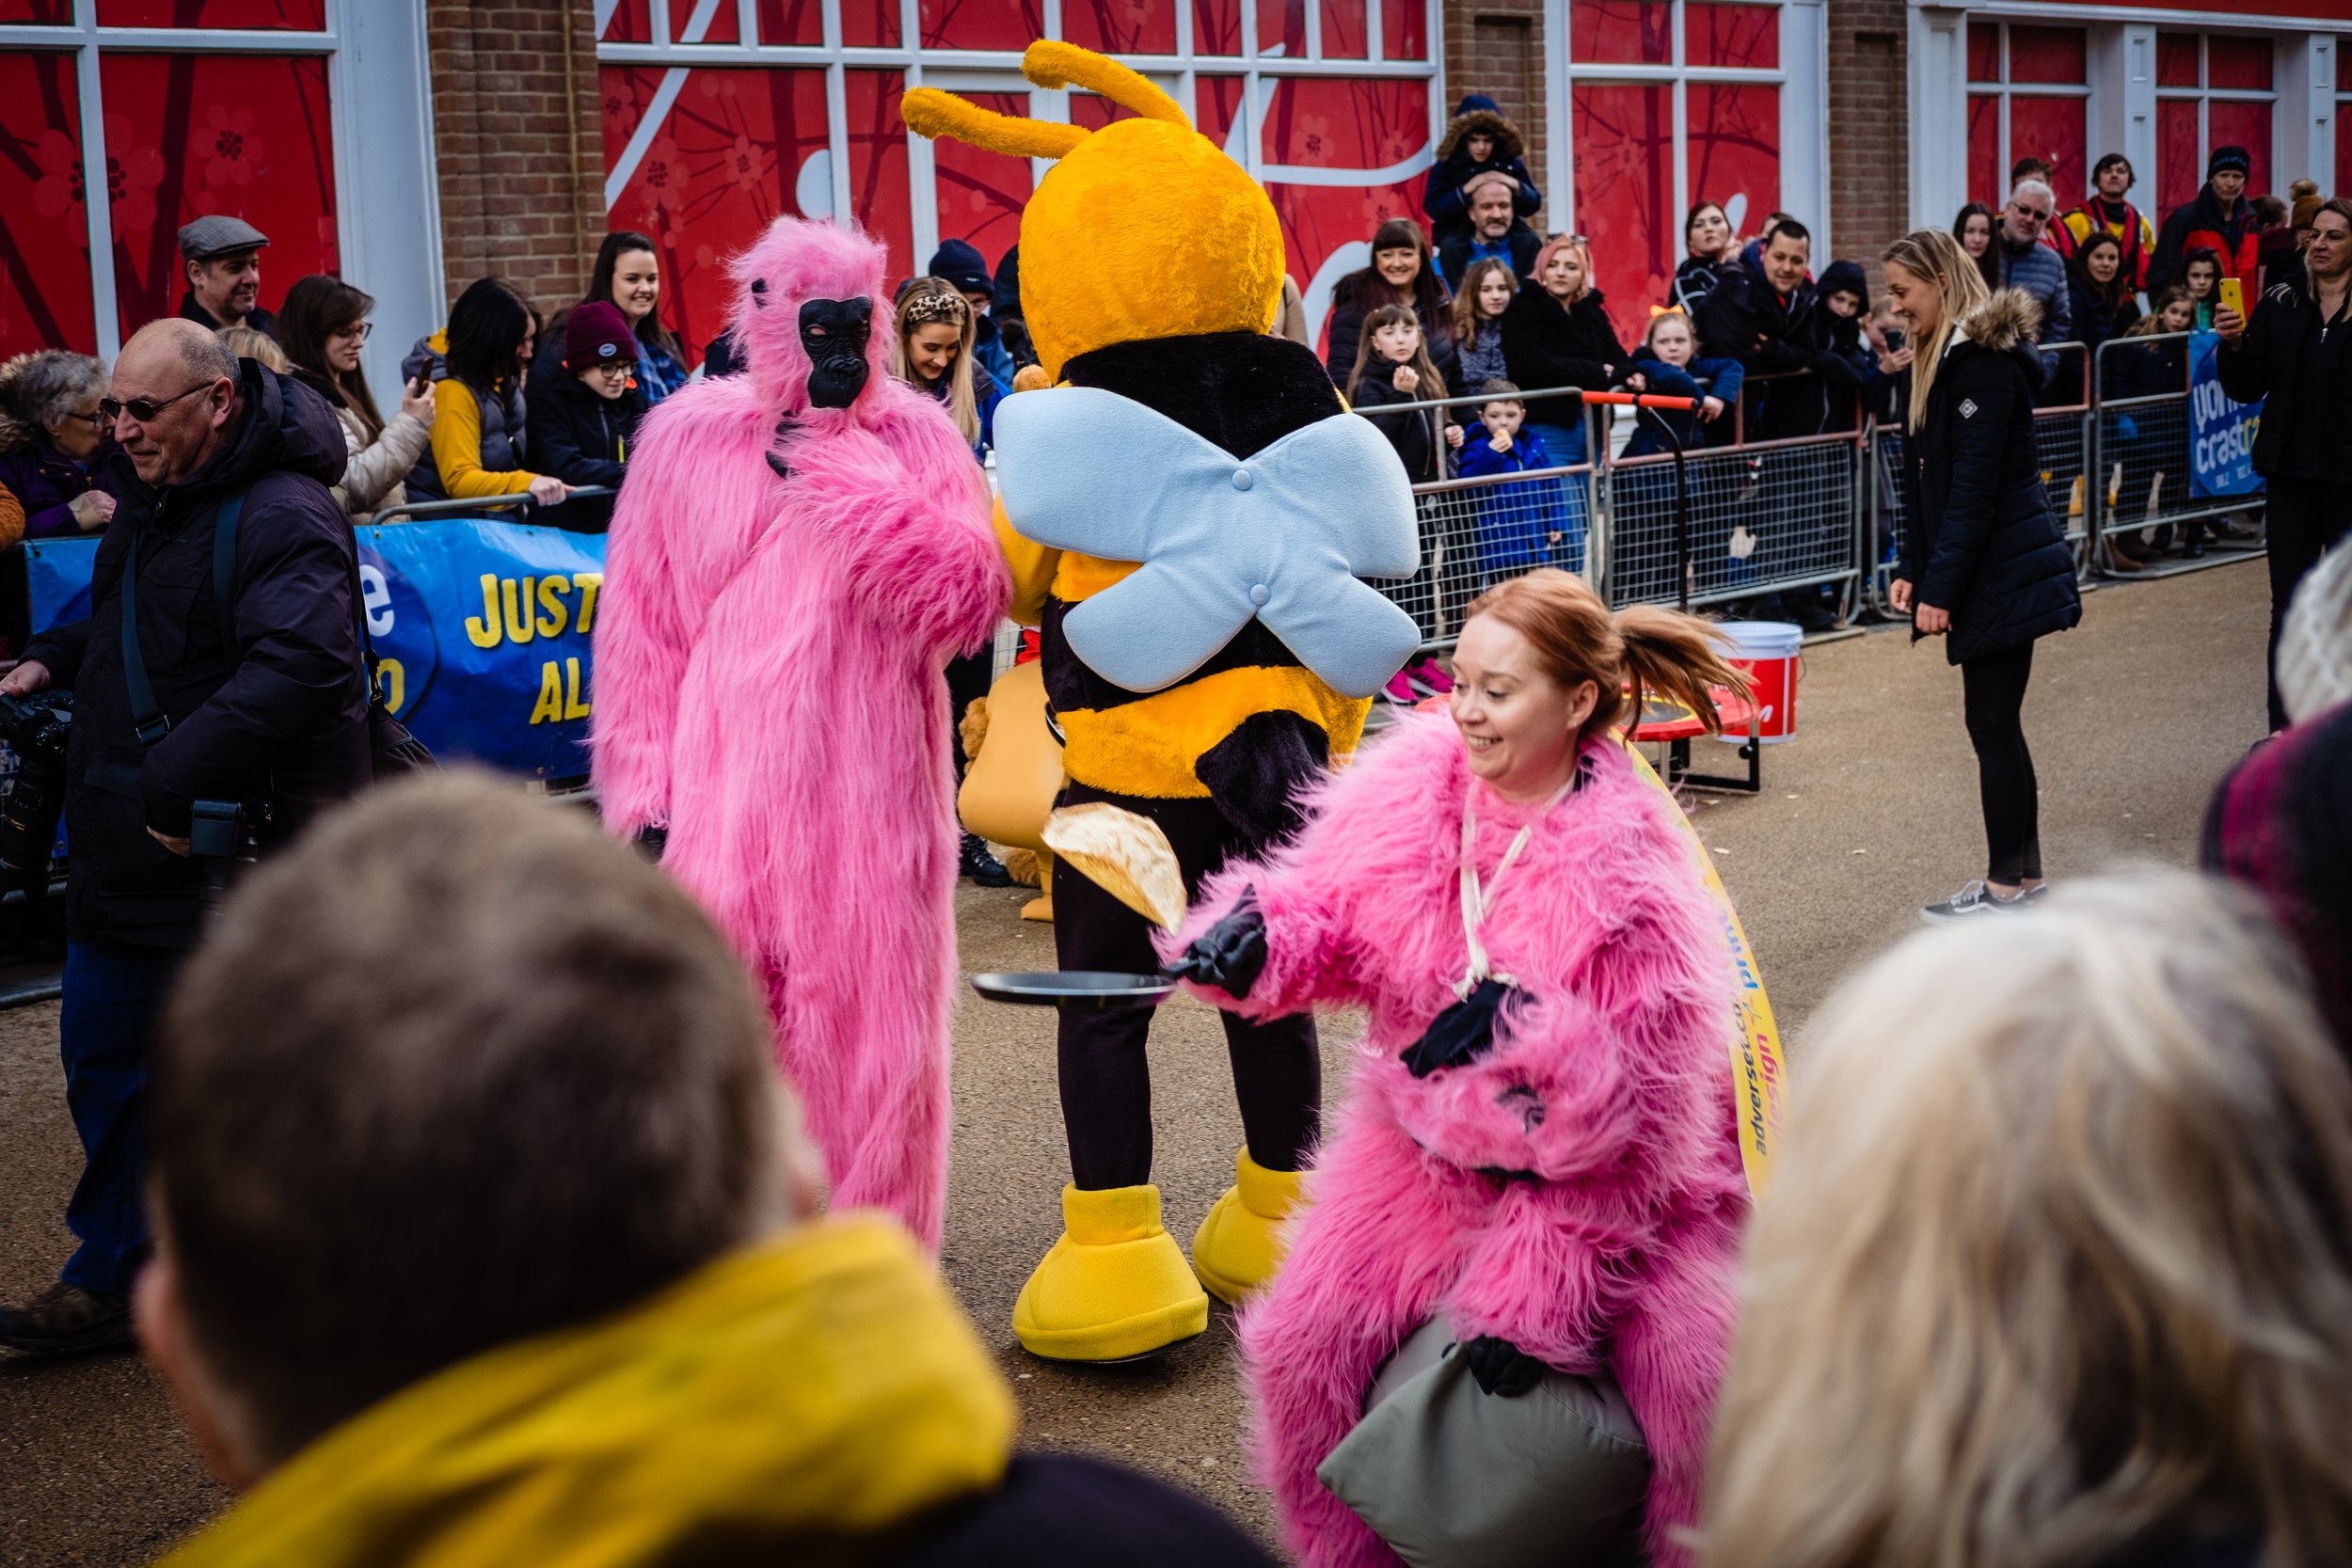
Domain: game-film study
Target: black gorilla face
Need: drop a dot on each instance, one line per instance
(834, 333)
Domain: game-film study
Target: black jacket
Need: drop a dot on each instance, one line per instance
(1744, 317)
(1544, 345)
(1413, 435)
(1982, 541)
(271, 708)
(263, 322)
(1441, 192)
(1352, 301)
(1453, 254)
(581, 439)
(2263, 364)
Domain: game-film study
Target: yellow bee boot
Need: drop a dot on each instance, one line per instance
(1113, 1287)
(1240, 1245)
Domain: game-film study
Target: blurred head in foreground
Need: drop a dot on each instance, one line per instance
(2054, 1266)
(454, 1070)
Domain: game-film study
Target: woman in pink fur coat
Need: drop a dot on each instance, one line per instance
(1559, 1179)
(797, 552)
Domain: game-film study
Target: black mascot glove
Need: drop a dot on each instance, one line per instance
(1500, 1366)
(1230, 954)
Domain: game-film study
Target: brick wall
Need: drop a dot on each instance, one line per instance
(519, 143)
(1870, 110)
(1496, 47)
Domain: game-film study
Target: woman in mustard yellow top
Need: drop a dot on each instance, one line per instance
(475, 366)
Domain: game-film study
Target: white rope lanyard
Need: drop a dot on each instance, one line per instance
(1478, 903)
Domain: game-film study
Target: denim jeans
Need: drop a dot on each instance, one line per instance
(1565, 445)
(113, 996)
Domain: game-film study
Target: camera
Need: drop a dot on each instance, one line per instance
(36, 728)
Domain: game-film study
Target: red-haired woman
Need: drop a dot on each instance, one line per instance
(1539, 1151)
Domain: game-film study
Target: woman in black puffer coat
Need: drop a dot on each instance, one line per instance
(1985, 562)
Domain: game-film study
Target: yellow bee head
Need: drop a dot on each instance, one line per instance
(1144, 229)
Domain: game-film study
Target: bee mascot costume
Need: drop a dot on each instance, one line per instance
(1187, 513)
(797, 553)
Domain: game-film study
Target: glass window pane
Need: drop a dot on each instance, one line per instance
(1620, 32)
(2176, 60)
(870, 24)
(2047, 55)
(803, 21)
(2180, 165)
(2343, 65)
(980, 194)
(1985, 172)
(1624, 193)
(721, 24)
(1734, 139)
(1216, 112)
(1121, 26)
(1216, 27)
(2237, 62)
(877, 166)
(1985, 51)
(737, 149)
(1283, 28)
(40, 14)
(1343, 37)
(2051, 128)
(631, 22)
(2245, 125)
(980, 24)
(244, 134)
(1405, 30)
(1738, 36)
(264, 15)
(2344, 141)
(1357, 126)
(45, 295)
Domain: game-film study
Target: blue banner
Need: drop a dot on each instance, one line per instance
(2221, 432)
(483, 630)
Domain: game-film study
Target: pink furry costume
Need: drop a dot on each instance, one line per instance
(785, 584)
(1610, 1086)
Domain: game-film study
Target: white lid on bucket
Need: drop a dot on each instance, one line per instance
(1762, 639)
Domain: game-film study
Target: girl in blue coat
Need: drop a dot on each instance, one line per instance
(1669, 365)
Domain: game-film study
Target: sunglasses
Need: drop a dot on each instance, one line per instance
(145, 409)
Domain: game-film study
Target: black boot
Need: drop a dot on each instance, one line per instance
(66, 1320)
(2195, 546)
(984, 869)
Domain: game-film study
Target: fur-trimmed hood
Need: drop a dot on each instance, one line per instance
(1508, 144)
(2008, 318)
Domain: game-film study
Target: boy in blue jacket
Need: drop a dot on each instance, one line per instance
(1525, 525)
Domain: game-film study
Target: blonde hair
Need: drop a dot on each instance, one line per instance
(1637, 649)
(2055, 1256)
(247, 343)
(929, 300)
(1934, 257)
(1672, 316)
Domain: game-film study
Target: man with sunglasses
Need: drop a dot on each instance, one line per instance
(265, 707)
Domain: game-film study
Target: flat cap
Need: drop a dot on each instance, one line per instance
(217, 235)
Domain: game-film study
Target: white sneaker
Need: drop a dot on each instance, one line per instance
(1974, 899)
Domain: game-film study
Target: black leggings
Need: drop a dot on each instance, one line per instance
(1106, 1074)
(1994, 689)
(968, 680)
(2304, 516)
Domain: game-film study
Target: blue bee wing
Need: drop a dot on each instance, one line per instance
(1153, 627)
(1344, 631)
(1080, 468)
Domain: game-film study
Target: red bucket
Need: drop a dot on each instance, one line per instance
(1767, 651)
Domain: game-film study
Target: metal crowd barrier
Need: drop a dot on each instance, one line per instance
(469, 506)
(2141, 458)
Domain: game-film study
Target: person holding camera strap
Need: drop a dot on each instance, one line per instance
(210, 669)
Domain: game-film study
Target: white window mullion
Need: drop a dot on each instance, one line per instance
(1680, 125)
(96, 209)
(922, 171)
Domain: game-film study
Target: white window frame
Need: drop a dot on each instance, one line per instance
(377, 60)
(1800, 78)
(686, 47)
(2204, 95)
(2004, 88)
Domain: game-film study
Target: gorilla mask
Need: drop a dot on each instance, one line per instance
(834, 333)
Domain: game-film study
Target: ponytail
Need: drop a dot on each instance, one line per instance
(1678, 657)
(1648, 647)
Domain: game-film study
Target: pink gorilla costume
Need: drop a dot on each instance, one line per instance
(785, 583)
(1613, 1241)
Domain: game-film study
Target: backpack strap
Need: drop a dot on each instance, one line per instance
(148, 720)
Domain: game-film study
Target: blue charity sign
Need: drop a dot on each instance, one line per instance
(2220, 431)
(481, 632)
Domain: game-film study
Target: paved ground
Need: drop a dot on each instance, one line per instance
(1872, 812)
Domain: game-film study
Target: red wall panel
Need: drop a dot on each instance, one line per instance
(46, 296)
